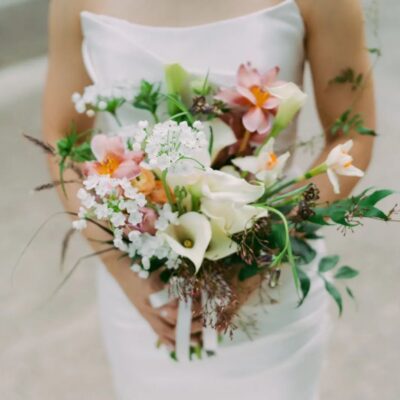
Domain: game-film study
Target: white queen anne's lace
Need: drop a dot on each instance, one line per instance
(169, 142)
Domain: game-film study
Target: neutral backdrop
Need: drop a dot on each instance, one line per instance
(52, 349)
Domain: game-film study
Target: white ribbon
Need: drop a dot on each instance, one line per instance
(183, 326)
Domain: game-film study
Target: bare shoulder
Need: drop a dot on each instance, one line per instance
(331, 13)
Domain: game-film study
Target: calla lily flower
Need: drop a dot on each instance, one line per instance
(113, 158)
(230, 217)
(339, 162)
(222, 135)
(266, 166)
(221, 245)
(190, 237)
(291, 100)
(253, 94)
(218, 185)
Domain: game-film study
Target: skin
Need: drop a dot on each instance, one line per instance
(334, 40)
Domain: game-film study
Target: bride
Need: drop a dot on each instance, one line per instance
(92, 40)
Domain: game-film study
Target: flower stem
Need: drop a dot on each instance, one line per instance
(319, 169)
(116, 118)
(166, 188)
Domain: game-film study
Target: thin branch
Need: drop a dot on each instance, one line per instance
(46, 147)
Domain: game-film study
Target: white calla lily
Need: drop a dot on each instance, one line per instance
(231, 170)
(339, 162)
(221, 245)
(218, 185)
(219, 134)
(190, 237)
(266, 166)
(231, 217)
(292, 98)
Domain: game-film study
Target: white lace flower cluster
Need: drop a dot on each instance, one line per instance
(118, 203)
(169, 143)
(98, 97)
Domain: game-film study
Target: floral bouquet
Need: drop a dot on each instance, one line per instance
(198, 194)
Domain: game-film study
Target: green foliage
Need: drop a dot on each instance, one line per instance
(346, 272)
(348, 122)
(376, 51)
(348, 212)
(180, 193)
(348, 75)
(148, 97)
(248, 271)
(302, 250)
(277, 237)
(335, 294)
(305, 285)
(70, 148)
(113, 105)
(309, 230)
(177, 81)
(327, 263)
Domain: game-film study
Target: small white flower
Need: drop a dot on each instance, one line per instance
(266, 166)
(86, 198)
(143, 124)
(90, 113)
(136, 267)
(91, 182)
(339, 162)
(102, 105)
(102, 211)
(146, 263)
(76, 97)
(135, 218)
(82, 212)
(143, 274)
(118, 219)
(79, 224)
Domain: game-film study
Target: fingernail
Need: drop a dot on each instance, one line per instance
(164, 313)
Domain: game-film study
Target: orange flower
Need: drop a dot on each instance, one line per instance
(145, 182)
(158, 194)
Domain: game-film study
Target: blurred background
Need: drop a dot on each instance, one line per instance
(52, 350)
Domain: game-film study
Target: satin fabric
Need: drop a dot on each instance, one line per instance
(278, 358)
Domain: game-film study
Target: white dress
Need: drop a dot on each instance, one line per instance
(279, 360)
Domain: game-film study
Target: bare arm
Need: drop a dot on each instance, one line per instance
(335, 41)
(66, 75)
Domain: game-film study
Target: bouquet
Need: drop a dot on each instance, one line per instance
(197, 193)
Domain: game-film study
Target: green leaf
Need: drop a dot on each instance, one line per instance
(82, 153)
(375, 50)
(302, 250)
(305, 285)
(327, 263)
(335, 294)
(362, 130)
(350, 293)
(148, 97)
(375, 197)
(177, 82)
(248, 271)
(277, 237)
(346, 272)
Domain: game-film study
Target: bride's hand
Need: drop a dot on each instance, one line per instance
(162, 320)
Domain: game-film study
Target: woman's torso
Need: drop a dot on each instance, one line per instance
(117, 49)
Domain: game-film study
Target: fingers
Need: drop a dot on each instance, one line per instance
(197, 326)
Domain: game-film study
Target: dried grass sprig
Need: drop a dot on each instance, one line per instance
(46, 147)
(52, 185)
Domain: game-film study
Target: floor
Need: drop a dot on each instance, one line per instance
(52, 349)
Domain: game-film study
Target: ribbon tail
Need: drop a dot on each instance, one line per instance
(183, 329)
(210, 335)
